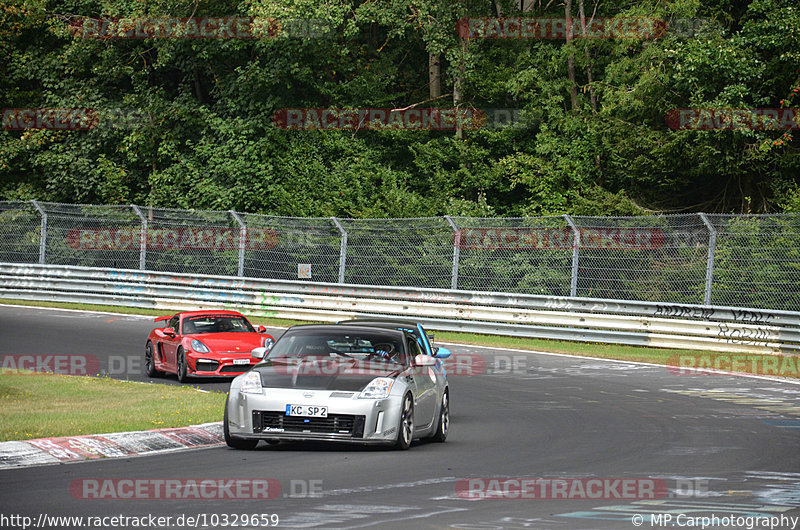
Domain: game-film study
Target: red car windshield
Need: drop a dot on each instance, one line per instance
(216, 324)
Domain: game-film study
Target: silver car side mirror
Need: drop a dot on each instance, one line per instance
(424, 360)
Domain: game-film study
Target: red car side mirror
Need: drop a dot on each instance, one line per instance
(262, 329)
(169, 331)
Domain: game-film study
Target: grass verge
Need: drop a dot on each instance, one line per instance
(39, 405)
(603, 351)
(277, 322)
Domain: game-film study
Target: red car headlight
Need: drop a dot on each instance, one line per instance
(199, 347)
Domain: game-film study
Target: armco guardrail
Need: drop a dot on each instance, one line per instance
(713, 328)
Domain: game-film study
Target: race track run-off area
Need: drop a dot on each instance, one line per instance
(537, 441)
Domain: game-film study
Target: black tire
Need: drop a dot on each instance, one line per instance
(235, 443)
(183, 369)
(150, 361)
(443, 425)
(405, 427)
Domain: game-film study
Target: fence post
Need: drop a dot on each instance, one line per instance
(142, 238)
(576, 245)
(712, 249)
(342, 248)
(456, 251)
(42, 234)
(242, 239)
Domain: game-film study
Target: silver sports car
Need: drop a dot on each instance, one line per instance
(342, 383)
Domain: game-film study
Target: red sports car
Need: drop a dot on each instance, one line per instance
(203, 343)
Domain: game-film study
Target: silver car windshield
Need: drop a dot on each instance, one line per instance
(362, 347)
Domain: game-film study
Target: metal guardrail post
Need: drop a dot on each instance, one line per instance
(242, 239)
(42, 234)
(142, 238)
(342, 248)
(456, 251)
(576, 245)
(712, 250)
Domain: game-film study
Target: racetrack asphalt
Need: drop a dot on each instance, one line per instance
(721, 446)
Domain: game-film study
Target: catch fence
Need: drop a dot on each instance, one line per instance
(749, 261)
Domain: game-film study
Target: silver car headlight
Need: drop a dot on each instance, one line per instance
(251, 383)
(199, 347)
(378, 388)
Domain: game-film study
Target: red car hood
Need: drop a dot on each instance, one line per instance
(230, 342)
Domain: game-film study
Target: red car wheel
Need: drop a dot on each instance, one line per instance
(183, 368)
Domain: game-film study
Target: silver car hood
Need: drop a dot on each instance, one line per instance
(322, 374)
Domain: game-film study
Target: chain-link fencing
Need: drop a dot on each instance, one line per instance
(741, 261)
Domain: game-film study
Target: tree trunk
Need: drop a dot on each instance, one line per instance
(458, 83)
(434, 76)
(457, 105)
(589, 76)
(573, 90)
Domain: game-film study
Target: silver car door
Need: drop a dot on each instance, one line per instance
(425, 394)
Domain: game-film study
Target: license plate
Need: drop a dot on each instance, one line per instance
(241, 361)
(312, 411)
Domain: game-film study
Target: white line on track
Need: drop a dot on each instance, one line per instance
(77, 310)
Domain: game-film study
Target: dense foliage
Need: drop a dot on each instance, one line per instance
(203, 135)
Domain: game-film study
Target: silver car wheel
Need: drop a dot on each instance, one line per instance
(445, 414)
(443, 425)
(406, 429)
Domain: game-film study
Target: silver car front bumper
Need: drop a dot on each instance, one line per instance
(349, 418)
